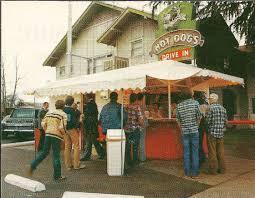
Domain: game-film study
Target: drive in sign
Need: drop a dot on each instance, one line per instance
(173, 55)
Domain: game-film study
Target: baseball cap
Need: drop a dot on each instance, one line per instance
(214, 96)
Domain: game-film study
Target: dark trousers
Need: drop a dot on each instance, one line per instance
(90, 140)
(200, 149)
(216, 154)
(42, 139)
(55, 144)
(132, 140)
(202, 130)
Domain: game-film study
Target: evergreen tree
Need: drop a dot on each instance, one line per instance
(240, 13)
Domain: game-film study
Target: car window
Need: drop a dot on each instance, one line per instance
(36, 112)
(23, 113)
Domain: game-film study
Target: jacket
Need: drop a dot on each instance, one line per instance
(54, 124)
(71, 118)
(110, 116)
(91, 117)
(41, 115)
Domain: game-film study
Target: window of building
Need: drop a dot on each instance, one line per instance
(98, 65)
(62, 71)
(137, 48)
(253, 105)
(71, 69)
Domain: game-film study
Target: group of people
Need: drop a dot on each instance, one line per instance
(63, 124)
(55, 126)
(195, 117)
(133, 121)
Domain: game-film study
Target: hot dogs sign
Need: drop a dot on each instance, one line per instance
(177, 34)
(183, 37)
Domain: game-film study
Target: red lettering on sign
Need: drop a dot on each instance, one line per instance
(173, 55)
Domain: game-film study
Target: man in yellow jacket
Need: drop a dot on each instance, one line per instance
(54, 125)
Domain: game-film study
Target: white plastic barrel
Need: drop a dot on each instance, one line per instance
(116, 141)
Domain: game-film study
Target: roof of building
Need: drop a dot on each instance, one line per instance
(81, 22)
(116, 28)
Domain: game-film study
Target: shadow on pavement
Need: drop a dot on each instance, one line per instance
(94, 178)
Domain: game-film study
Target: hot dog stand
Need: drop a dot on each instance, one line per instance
(161, 81)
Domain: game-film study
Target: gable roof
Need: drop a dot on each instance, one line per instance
(80, 23)
(108, 36)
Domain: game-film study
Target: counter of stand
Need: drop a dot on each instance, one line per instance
(163, 139)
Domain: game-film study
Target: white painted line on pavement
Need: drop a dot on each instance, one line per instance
(24, 183)
(69, 194)
(17, 144)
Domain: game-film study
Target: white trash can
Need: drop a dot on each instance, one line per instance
(116, 141)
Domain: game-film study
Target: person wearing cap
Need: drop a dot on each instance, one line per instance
(188, 117)
(54, 125)
(216, 119)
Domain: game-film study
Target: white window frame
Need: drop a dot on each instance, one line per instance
(131, 47)
(62, 71)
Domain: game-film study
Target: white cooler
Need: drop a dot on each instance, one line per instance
(115, 144)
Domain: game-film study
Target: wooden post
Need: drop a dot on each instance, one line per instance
(122, 128)
(169, 100)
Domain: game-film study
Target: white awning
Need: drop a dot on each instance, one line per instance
(136, 77)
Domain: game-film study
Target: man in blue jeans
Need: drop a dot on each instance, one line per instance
(188, 116)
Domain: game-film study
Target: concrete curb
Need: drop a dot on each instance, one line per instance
(16, 144)
(69, 194)
(24, 183)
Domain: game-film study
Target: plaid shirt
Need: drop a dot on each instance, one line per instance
(188, 114)
(216, 119)
(135, 115)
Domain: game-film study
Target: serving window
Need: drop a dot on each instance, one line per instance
(157, 105)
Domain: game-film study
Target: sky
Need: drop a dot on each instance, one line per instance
(29, 32)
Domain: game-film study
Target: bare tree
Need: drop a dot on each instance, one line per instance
(3, 89)
(17, 79)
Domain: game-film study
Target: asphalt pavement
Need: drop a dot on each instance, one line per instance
(93, 179)
(13, 139)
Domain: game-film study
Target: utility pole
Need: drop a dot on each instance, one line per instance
(69, 41)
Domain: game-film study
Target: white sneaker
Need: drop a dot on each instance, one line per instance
(80, 167)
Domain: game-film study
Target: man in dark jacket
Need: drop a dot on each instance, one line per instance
(71, 137)
(77, 115)
(90, 123)
(41, 115)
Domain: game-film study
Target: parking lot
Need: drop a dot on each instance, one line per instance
(155, 178)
